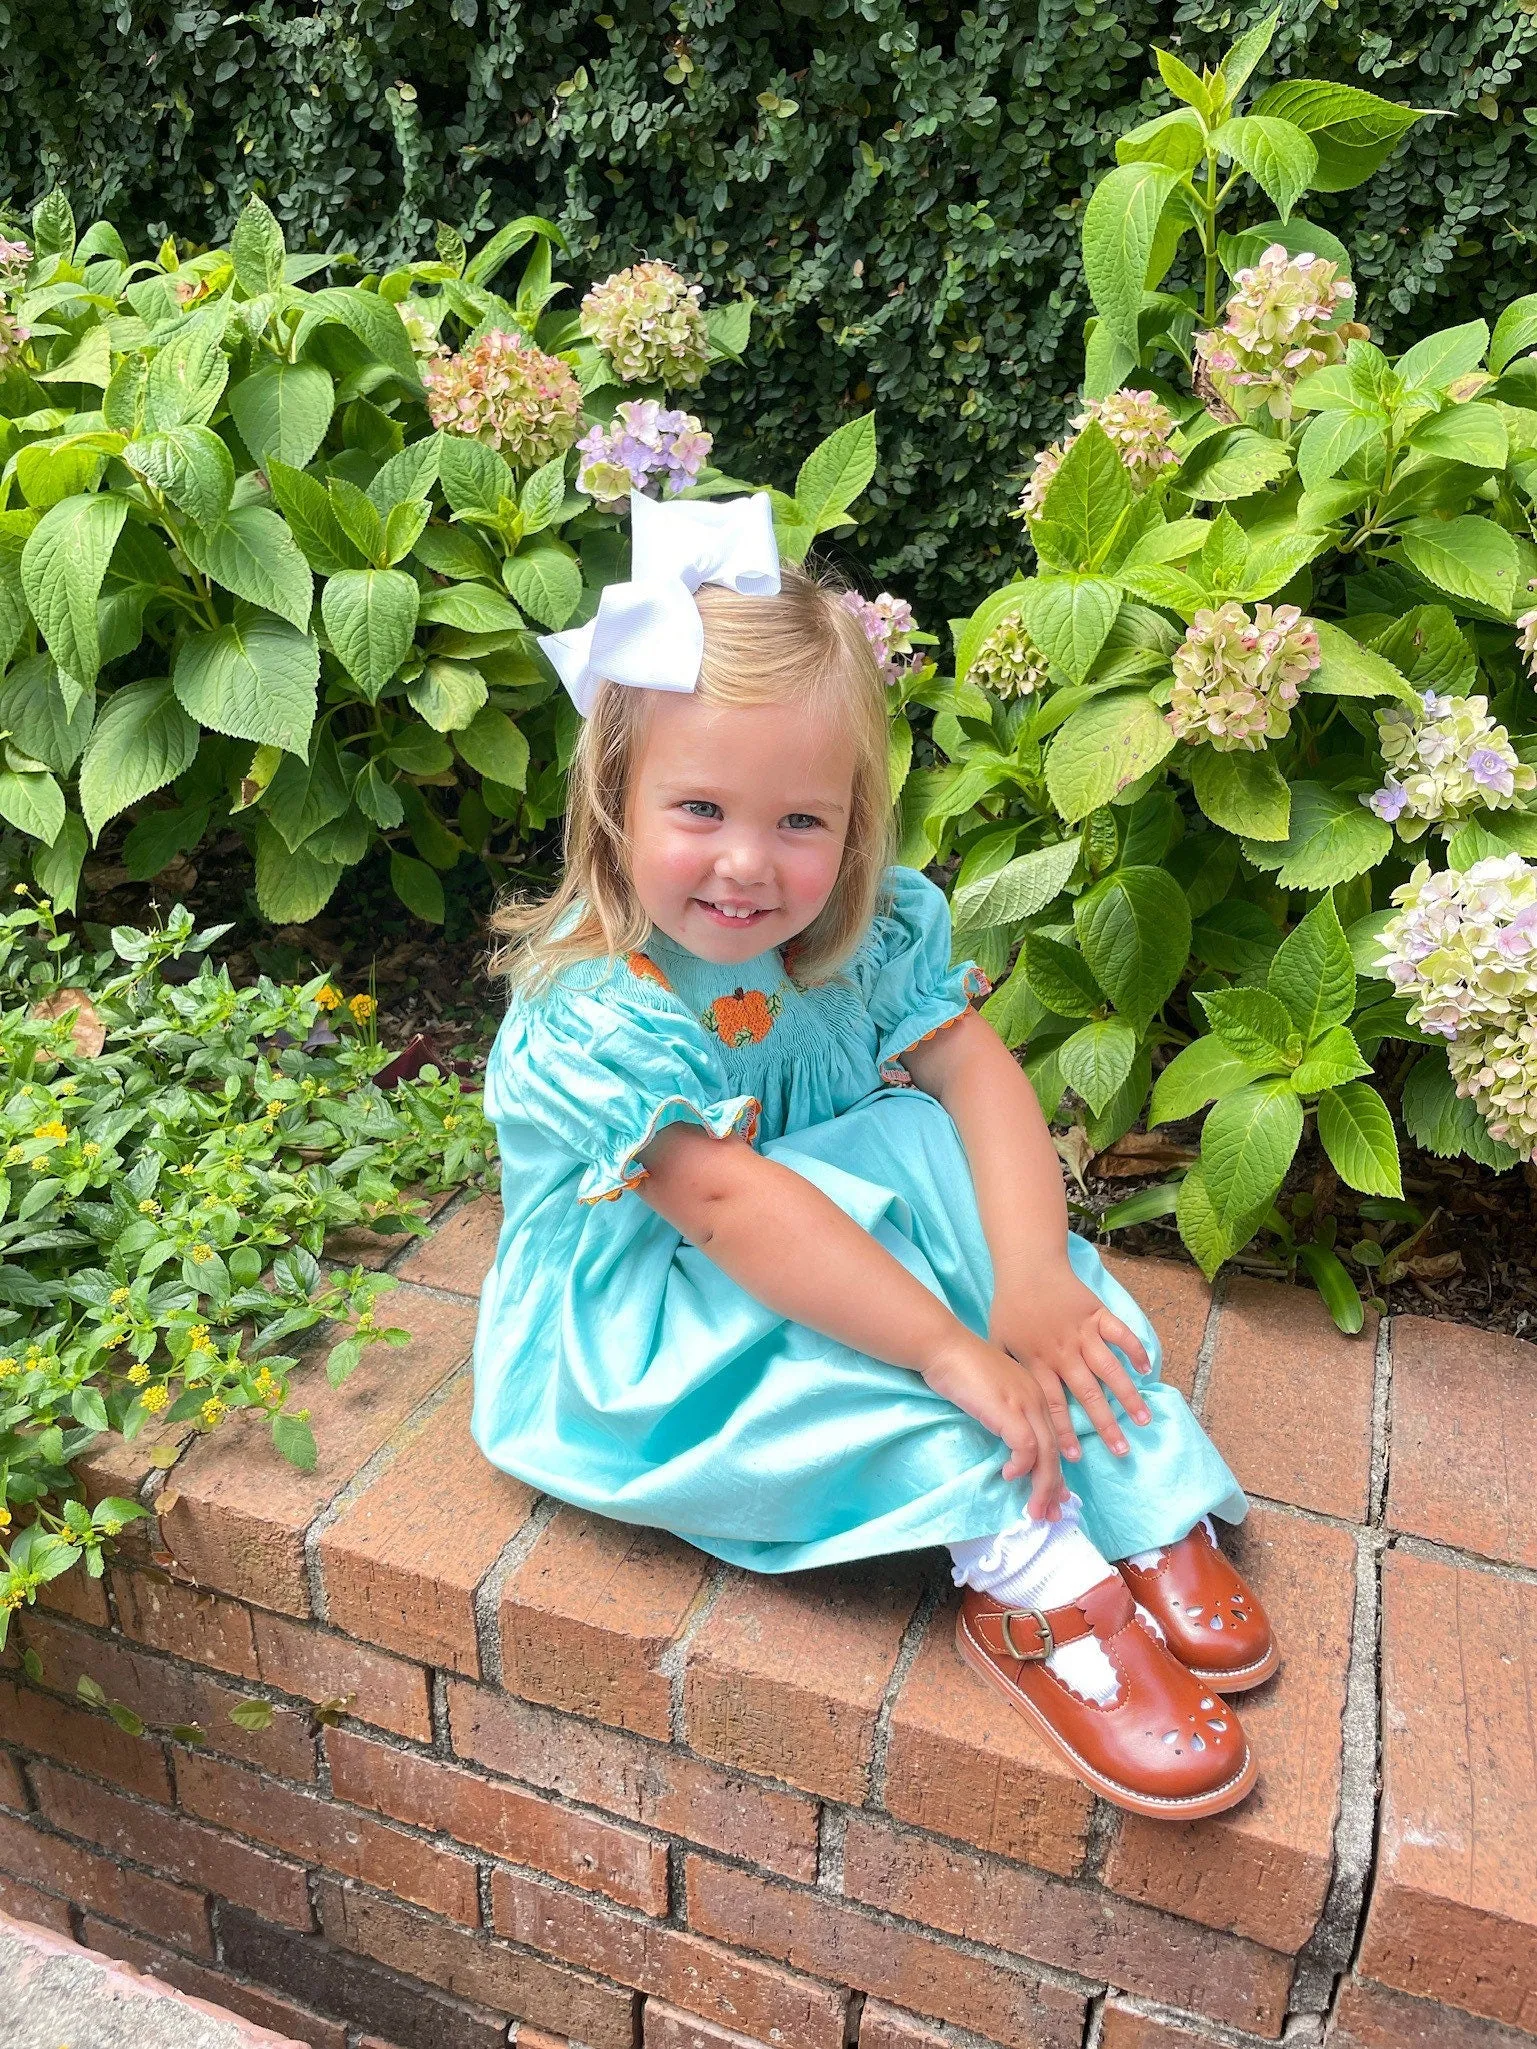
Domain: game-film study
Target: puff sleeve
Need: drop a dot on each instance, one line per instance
(913, 991)
(598, 1072)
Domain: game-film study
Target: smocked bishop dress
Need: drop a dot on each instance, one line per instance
(618, 1368)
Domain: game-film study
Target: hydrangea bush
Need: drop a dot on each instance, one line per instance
(1271, 639)
(274, 551)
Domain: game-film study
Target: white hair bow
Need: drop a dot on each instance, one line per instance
(647, 633)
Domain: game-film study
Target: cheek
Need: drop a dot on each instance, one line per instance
(811, 870)
(665, 858)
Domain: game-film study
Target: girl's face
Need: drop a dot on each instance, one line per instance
(738, 814)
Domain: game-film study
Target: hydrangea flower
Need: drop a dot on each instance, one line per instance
(420, 326)
(1526, 634)
(1236, 679)
(644, 449)
(1008, 662)
(1443, 764)
(1277, 331)
(511, 396)
(1463, 949)
(14, 259)
(649, 323)
(1139, 425)
(889, 625)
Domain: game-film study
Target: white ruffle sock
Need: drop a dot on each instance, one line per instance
(1148, 1559)
(1044, 1565)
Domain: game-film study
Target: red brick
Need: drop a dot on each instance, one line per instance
(569, 2002)
(171, 1844)
(1453, 1913)
(153, 1904)
(1125, 2028)
(651, 1783)
(321, 1833)
(264, 2009)
(1176, 1301)
(24, 1902)
(502, 1820)
(888, 2027)
(1464, 1438)
(961, 1762)
(293, 1657)
(238, 1512)
(589, 1612)
(12, 1792)
(77, 1597)
(530, 2038)
(786, 1675)
(1368, 2016)
(401, 1563)
(813, 1931)
(170, 1696)
(1263, 1869)
(1289, 1403)
(667, 2027)
(83, 1737)
(742, 1993)
(460, 1252)
(114, 1466)
(1077, 1928)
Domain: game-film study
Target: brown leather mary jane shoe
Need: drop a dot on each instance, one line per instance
(1165, 1746)
(1212, 1620)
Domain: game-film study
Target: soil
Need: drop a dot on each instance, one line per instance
(1460, 1249)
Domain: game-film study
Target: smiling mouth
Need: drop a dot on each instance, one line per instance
(731, 914)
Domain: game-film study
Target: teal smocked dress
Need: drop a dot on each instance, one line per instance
(618, 1368)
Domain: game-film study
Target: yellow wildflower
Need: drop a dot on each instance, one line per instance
(7, 1369)
(264, 1384)
(16, 1153)
(66, 1088)
(118, 1297)
(198, 1338)
(20, 889)
(276, 1107)
(212, 1412)
(52, 1130)
(328, 998)
(40, 1164)
(10, 1597)
(450, 1122)
(201, 1254)
(362, 1008)
(154, 1399)
(187, 1167)
(149, 1207)
(5, 1517)
(137, 1375)
(90, 1150)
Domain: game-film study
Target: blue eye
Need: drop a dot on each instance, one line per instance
(701, 807)
(802, 821)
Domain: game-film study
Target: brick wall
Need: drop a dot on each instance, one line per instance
(529, 1770)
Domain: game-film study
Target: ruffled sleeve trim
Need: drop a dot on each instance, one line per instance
(927, 1019)
(610, 1178)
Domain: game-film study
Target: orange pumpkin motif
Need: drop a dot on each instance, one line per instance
(743, 1018)
(645, 969)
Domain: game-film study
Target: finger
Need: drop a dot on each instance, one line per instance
(1115, 1332)
(1046, 1484)
(1098, 1410)
(1108, 1368)
(1056, 1408)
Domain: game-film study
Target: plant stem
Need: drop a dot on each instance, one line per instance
(1211, 241)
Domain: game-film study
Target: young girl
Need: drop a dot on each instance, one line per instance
(785, 1267)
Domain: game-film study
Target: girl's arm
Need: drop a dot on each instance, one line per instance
(792, 1248)
(1042, 1313)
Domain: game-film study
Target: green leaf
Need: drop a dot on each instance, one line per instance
(1446, 1124)
(358, 517)
(1255, 1026)
(1440, 359)
(1241, 792)
(370, 618)
(190, 465)
(1349, 670)
(1332, 1059)
(730, 327)
(1341, 1296)
(492, 744)
(1471, 434)
(1088, 497)
(830, 479)
(291, 886)
(295, 1441)
(1134, 929)
(1119, 225)
(1096, 1060)
(543, 496)
(253, 679)
(374, 321)
(186, 378)
(1196, 1076)
(1068, 618)
(1357, 1133)
(254, 1715)
(1353, 131)
(448, 695)
(1330, 440)
(1176, 139)
(1277, 155)
(33, 803)
(1233, 464)
(252, 554)
(1248, 1141)
(1514, 332)
(546, 580)
(1059, 976)
(409, 475)
(88, 1409)
(1018, 889)
(1429, 649)
(470, 607)
(475, 479)
(417, 887)
(56, 869)
(307, 506)
(62, 567)
(506, 242)
(1184, 83)
(456, 552)
(1237, 66)
(1332, 838)
(1313, 972)
(53, 227)
(1235, 937)
(284, 410)
(303, 797)
(1105, 746)
(1158, 1201)
(36, 713)
(257, 251)
(1467, 557)
(142, 740)
(1208, 1241)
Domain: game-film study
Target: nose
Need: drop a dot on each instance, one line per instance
(744, 861)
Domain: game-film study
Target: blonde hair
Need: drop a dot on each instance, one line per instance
(803, 647)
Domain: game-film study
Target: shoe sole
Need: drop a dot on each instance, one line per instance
(1193, 1807)
(1239, 1681)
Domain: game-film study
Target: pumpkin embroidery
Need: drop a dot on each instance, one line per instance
(744, 1017)
(645, 969)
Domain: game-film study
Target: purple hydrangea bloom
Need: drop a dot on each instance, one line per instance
(643, 449)
(1491, 771)
(1387, 802)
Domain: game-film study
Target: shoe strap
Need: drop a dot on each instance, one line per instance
(1029, 1634)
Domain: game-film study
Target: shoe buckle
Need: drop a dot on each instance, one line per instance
(1048, 1642)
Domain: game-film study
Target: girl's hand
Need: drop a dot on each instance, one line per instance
(1062, 1333)
(1007, 1399)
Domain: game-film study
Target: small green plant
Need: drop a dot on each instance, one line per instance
(173, 1155)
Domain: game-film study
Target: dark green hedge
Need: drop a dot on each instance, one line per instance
(900, 183)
